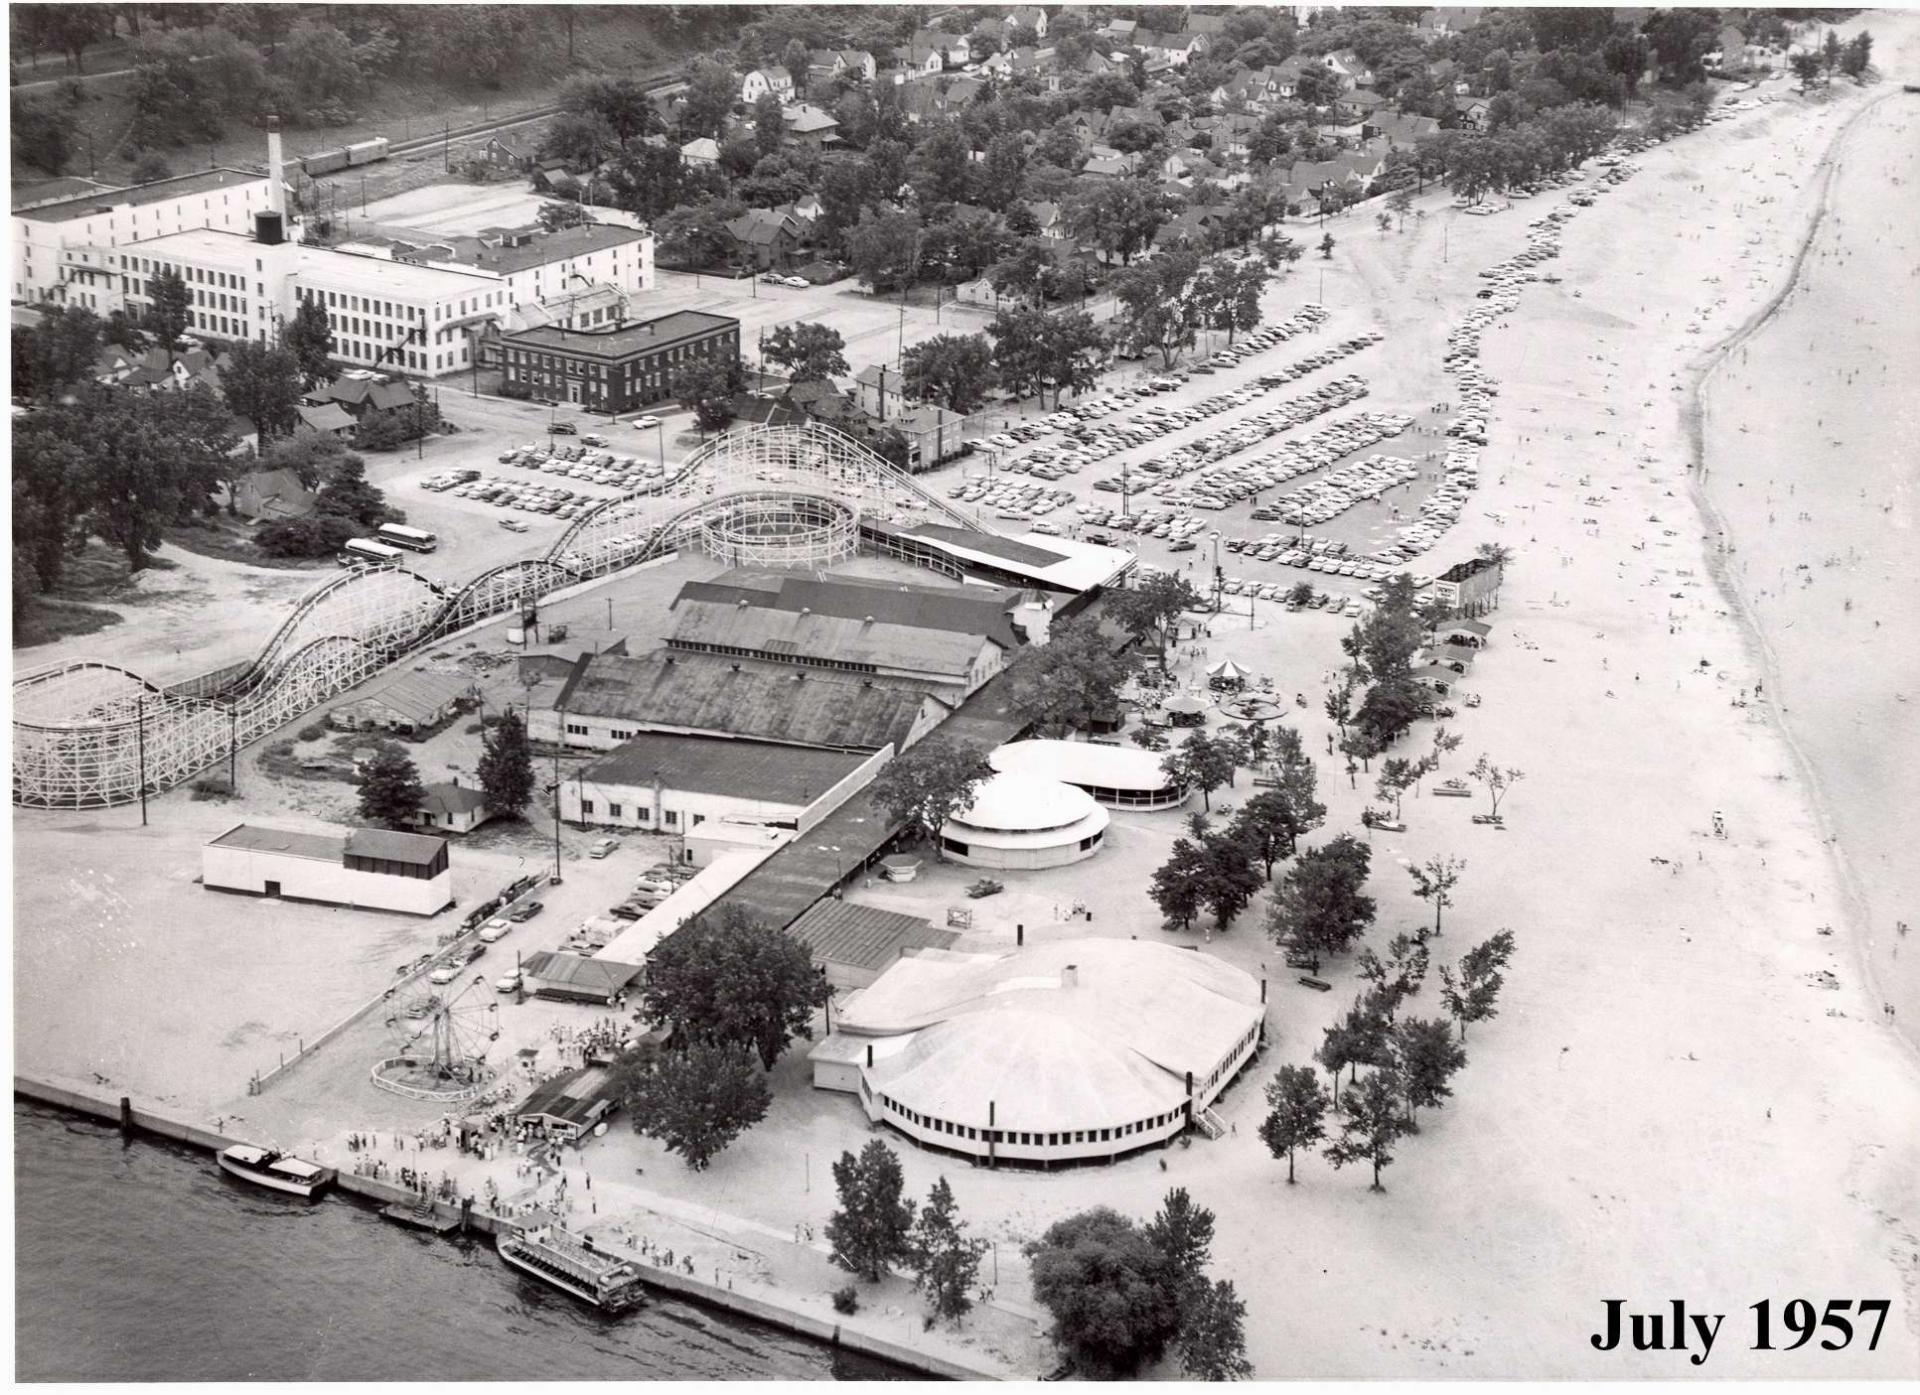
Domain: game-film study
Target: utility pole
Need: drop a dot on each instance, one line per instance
(559, 738)
(233, 746)
(446, 147)
(140, 718)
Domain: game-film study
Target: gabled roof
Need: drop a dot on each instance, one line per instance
(419, 696)
(776, 774)
(844, 639)
(967, 610)
(329, 416)
(414, 849)
(444, 797)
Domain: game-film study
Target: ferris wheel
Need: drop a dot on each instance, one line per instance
(444, 1033)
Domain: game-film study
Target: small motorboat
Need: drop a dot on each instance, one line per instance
(280, 1172)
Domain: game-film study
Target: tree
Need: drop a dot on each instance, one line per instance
(154, 459)
(1109, 1289)
(309, 338)
(953, 370)
(1178, 885)
(1497, 781)
(1435, 882)
(929, 783)
(1071, 679)
(1425, 1058)
(263, 383)
(1202, 763)
(506, 766)
(150, 168)
(318, 62)
(1147, 609)
(168, 312)
(1296, 1117)
(707, 387)
(316, 535)
(1183, 1233)
(1397, 776)
(940, 164)
(809, 352)
(1858, 56)
(1035, 350)
(730, 979)
(390, 789)
(946, 1261)
(1807, 69)
(873, 1229)
(710, 94)
(1318, 86)
(41, 135)
(1399, 976)
(1213, 1342)
(1320, 907)
(619, 103)
(884, 249)
(1681, 39)
(57, 355)
(1373, 1125)
(1000, 171)
(559, 215)
(346, 493)
(1117, 217)
(1269, 824)
(1471, 993)
(1831, 51)
(1360, 1038)
(1229, 879)
(695, 1100)
(1326, 246)
(1163, 307)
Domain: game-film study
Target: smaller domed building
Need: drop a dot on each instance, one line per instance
(1021, 821)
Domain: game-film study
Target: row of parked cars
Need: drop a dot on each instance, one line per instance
(652, 887)
(1222, 481)
(1011, 497)
(591, 462)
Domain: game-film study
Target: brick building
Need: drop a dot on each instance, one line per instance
(618, 368)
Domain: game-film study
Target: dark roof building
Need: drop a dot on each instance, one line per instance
(618, 368)
(855, 944)
(971, 610)
(715, 765)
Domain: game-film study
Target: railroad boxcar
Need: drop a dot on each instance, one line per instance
(324, 161)
(367, 152)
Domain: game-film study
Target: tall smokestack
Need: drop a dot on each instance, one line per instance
(276, 170)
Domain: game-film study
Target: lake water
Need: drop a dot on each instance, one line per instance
(139, 1260)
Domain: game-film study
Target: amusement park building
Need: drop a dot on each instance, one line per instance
(367, 868)
(1024, 821)
(670, 784)
(1119, 776)
(1076, 1051)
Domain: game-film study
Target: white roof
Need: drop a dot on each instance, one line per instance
(1110, 1042)
(1017, 803)
(1084, 763)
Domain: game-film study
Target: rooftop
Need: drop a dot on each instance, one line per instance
(844, 639)
(1058, 562)
(417, 849)
(721, 765)
(578, 241)
(316, 265)
(746, 698)
(1014, 802)
(179, 187)
(1084, 763)
(322, 847)
(971, 610)
(622, 340)
(865, 937)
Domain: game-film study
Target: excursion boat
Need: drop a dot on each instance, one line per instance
(571, 1264)
(279, 1171)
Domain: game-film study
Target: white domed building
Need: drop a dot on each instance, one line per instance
(1076, 1051)
(1121, 777)
(1021, 821)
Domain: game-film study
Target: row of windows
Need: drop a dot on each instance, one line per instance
(669, 818)
(798, 660)
(417, 871)
(1020, 1138)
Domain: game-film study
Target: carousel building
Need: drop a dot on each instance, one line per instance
(1023, 821)
(1121, 777)
(1075, 1051)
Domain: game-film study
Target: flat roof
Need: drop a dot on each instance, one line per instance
(1084, 763)
(1059, 562)
(622, 340)
(179, 187)
(321, 847)
(975, 610)
(413, 848)
(724, 765)
(865, 937)
(576, 241)
(321, 265)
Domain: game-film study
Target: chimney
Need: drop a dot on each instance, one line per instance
(1019, 935)
(276, 170)
(1070, 976)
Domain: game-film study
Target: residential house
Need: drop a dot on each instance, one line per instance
(1107, 167)
(809, 125)
(1120, 30)
(1210, 25)
(267, 496)
(1472, 111)
(360, 392)
(881, 391)
(1032, 16)
(956, 50)
(1047, 216)
(1176, 48)
(1732, 52)
(824, 64)
(767, 237)
(859, 63)
(328, 418)
(413, 703)
(924, 58)
(761, 81)
(1362, 102)
(703, 151)
(1451, 19)
(1401, 131)
(932, 434)
(507, 153)
(451, 807)
(1349, 68)
(1099, 64)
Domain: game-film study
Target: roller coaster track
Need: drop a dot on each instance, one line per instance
(84, 731)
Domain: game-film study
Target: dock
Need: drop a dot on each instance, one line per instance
(424, 1215)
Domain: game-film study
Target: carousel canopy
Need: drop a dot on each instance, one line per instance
(1227, 668)
(1186, 704)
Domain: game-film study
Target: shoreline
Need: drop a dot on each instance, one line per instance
(1717, 532)
(691, 1288)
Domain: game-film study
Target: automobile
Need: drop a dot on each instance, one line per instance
(494, 930)
(525, 912)
(799, 283)
(514, 525)
(772, 278)
(645, 423)
(450, 970)
(1182, 545)
(562, 428)
(603, 847)
(508, 983)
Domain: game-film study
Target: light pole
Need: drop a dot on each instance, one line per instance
(1218, 579)
(660, 433)
(140, 718)
(559, 737)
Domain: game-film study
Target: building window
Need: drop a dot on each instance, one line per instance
(613, 811)
(586, 806)
(670, 818)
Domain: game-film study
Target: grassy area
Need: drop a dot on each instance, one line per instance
(228, 540)
(50, 618)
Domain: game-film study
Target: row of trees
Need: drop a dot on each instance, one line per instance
(391, 792)
(1411, 1061)
(1817, 67)
(876, 1228)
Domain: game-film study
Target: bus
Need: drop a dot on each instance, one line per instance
(413, 539)
(365, 552)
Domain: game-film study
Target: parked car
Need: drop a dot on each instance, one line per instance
(525, 912)
(508, 983)
(494, 930)
(563, 428)
(645, 423)
(603, 847)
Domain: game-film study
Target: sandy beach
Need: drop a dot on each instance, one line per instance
(1692, 1090)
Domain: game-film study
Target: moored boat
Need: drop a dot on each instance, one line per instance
(571, 1264)
(279, 1171)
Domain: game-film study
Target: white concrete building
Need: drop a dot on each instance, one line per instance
(546, 269)
(676, 784)
(1024, 821)
(60, 250)
(1075, 1051)
(367, 868)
